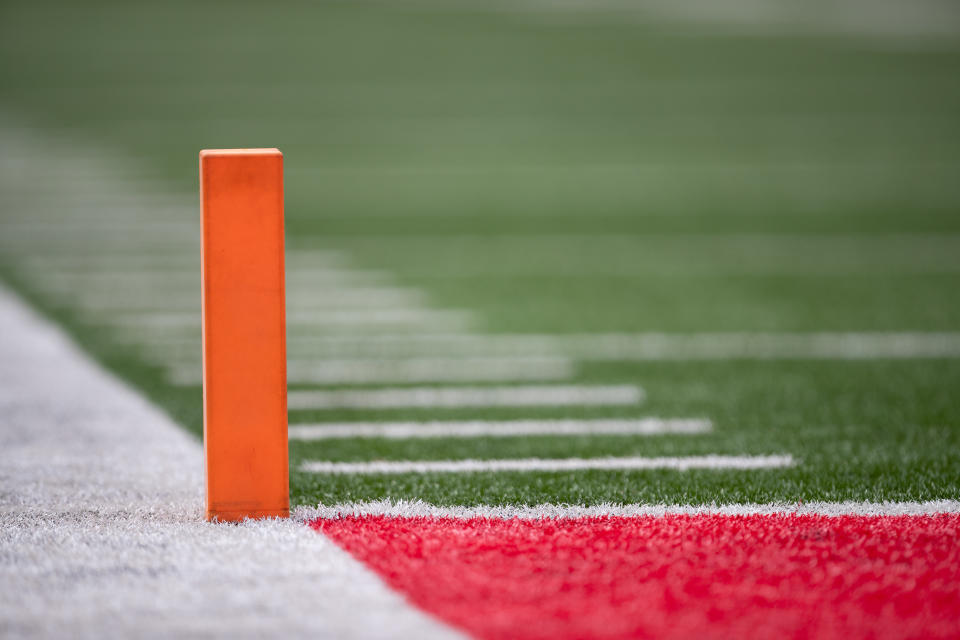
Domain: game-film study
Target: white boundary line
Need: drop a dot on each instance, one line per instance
(419, 509)
(101, 528)
(513, 396)
(684, 463)
(504, 428)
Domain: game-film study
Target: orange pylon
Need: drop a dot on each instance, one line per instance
(244, 334)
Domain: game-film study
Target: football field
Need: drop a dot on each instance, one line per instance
(682, 283)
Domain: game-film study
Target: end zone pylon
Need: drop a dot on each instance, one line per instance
(244, 334)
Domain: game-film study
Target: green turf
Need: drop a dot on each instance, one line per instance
(883, 430)
(555, 174)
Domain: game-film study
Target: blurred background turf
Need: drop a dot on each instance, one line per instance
(482, 117)
(462, 124)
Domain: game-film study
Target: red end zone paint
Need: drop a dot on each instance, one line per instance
(702, 576)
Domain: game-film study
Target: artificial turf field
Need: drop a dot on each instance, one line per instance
(578, 172)
(553, 174)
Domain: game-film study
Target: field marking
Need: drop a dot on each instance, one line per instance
(420, 509)
(432, 370)
(386, 314)
(101, 529)
(307, 351)
(451, 397)
(921, 23)
(371, 371)
(169, 262)
(764, 346)
(317, 298)
(649, 346)
(184, 276)
(549, 465)
(499, 429)
(304, 319)
(300, 306)
(670, 256)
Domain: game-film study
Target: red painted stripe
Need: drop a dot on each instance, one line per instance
(703, 576)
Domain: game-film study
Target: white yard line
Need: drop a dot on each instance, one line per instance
(132, 279)
(423, 319)
(550, 465)
(649, 346)
(371, 371)
(101, 532)
(500, 429)
(307, 301)
(453, 397)
(431, 370)
(182, 261)
(418, 509)
(307, 298)
(305, 320)
(919, 23)
(306, 353)
(763, 346)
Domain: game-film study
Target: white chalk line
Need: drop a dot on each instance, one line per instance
(300, 304)
(101, 528)
(647, 346)
(500, 429)
(308, 352)
(420, 509)
(554, 465)
(389, 315)
(372, 371)
(433, 370)
(185, 276)
(454, 397)
(762, 346)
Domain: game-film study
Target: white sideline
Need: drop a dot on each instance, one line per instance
(419, 509)
(504, 428)
(684, 463)
(100, 522)
(519, 396)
